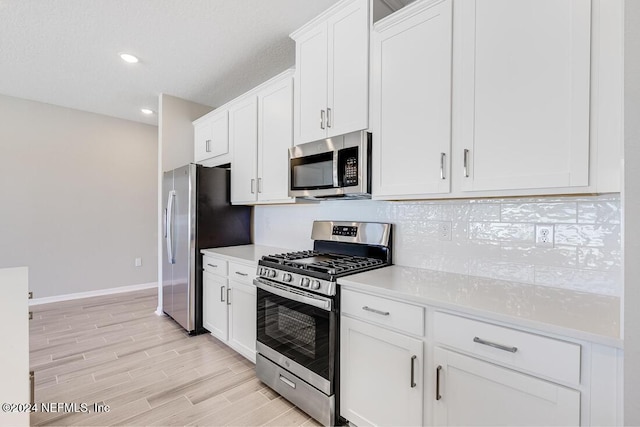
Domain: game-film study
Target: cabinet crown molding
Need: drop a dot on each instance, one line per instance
(405, 13)
(323, 17)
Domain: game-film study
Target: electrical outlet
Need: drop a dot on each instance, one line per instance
(544, 235)
(138, 262)
(444, 230)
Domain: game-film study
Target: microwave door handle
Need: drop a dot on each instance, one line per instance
(335, 169)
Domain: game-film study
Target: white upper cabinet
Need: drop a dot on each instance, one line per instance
(411, 101)
(494, 98)
(275, 137)
(332, 69)
(523, 76)
(211, 133)
(243, 127)
(261, 132)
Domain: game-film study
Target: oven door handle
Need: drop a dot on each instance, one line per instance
(321, 303)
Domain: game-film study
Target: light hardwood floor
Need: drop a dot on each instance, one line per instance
(114, 350)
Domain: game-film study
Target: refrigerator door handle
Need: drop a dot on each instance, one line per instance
(169, 226)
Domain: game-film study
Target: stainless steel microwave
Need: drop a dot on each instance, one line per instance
(338, 167)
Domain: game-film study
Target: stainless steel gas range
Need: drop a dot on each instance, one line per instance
(298, 311)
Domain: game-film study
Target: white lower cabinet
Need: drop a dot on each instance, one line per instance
(381, 374)
(242, 318)
(215, 312)
(229, 304)
(471, 392)
(405, 364)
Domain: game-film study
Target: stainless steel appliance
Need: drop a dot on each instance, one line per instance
(197, 215)
(338, 167)
(298, 312)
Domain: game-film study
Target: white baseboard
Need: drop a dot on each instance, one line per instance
(99, 292)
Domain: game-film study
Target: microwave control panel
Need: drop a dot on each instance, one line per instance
(348, 164)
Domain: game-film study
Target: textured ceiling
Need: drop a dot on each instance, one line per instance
(65, 52)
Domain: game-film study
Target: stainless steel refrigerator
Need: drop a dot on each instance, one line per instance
(197, 215)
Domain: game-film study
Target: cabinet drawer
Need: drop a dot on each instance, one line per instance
(214, 265)
(559, 360)
(242, 273)
(394, 314)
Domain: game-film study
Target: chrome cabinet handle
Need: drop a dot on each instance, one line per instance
(413, 371)
(32, 383)
(30, 295)
(438, 369)
(228, 299)
(31, 315)
(287, 382)
(465, 163)
(442, 157)
(373, 310)
(259, 185)
(253, 186)
(241, 274)
(222, 293)
(322, 119)
(328, 117)
(212, 265)
(208, 146)
(494, 345)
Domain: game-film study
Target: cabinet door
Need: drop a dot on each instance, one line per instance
(376, 367)
(243, 125)
(211, 137)
(411, 103)
(242, 319)
(348, 72)
(477, 393)
(275, 137)
(214, 305)
(524, 78)
(311, 85)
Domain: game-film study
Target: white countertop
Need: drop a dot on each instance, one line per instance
(243, 253)
(580, 315)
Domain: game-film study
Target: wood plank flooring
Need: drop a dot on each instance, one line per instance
(114, 350)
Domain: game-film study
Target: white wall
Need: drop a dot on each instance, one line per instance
(489, 237)
(77, 198)
(631, 214)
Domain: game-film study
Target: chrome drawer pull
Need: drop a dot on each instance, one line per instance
(212, 265)
(494, 345)
(32, 386)
(465, 163)
(241, 274)
(413, 371)
(373, 310)
(438, 395)
(287, 382)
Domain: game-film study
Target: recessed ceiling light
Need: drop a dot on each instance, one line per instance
(127, 57)
(146, 111)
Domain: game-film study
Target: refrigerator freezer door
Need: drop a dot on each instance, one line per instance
(184, 183)
(167, 266)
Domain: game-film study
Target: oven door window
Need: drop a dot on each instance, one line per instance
(298, 331)
(313, 172)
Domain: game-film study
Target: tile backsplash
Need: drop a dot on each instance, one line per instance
(493, 238)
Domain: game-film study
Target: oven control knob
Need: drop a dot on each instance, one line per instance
(261, 271)
(304, 282)
(315, 284)
(286, 277)
(272, 273)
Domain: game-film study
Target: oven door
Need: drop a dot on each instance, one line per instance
(297, 330)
